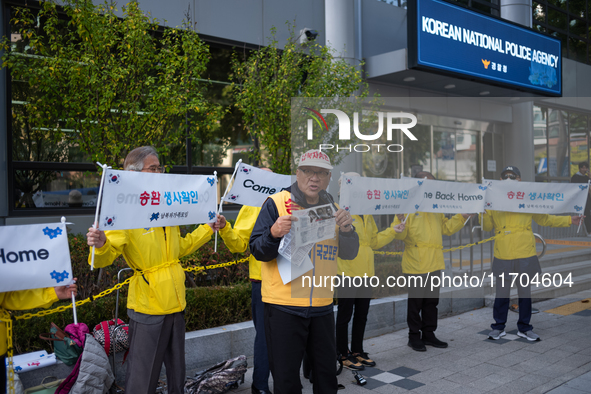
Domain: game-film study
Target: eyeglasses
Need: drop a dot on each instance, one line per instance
(154, 169)
(509, 176)
(310, 173)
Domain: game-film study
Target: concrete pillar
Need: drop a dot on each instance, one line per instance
(3, 129)
(518, 139)
(518, 11)
(341, 27)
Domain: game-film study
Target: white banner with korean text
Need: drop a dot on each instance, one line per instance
(536, 197)
(252, 185)
(34, 256)
(144, 200)
(380, 196)
(451, 197)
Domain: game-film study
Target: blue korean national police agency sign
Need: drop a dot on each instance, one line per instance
(453, 39)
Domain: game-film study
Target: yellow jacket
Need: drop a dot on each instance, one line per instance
(516, 239)
(369, 240)
(237, 238)
(158, 291)
(22, 300)
(300, 292)
(423, 244)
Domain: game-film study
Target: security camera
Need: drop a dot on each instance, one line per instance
(307, 35)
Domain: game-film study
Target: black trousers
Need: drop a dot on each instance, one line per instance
(422, 305)
(288, 336)
(345, 311)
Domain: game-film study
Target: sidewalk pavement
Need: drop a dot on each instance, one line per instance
(558, 364)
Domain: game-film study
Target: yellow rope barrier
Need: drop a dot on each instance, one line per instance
(446, 250)
(6, 318)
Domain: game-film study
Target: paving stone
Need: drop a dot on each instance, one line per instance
(579, 384)
(565, 390)
(461, 378)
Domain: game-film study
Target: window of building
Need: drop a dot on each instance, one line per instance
(561, 142)
(566, 20)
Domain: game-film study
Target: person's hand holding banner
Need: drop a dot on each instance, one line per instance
(399, 227)
(96, 237)
(219, 224)
(577, 219)
(65, 292)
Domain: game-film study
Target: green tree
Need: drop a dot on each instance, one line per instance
(106, 84)
(269, 78)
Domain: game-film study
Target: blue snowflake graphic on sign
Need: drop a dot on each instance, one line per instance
(52, 233)
(17, 368)
(378, 207)
(420, 182)
(578, 208)
(59, 277)
(416, 206)
(155, 216)
(521, 205)
(482, 187)
(210, 181)
(583, 187)
(211, 215)
(434, 206)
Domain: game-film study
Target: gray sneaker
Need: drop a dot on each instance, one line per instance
(529, 335)
(496, 334)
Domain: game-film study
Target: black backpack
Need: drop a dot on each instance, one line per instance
(218, 379)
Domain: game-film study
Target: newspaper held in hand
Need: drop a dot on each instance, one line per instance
(292, 253)
(314, 225)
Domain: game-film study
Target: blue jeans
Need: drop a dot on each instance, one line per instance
(261, 372)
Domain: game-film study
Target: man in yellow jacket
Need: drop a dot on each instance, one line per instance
(358, 298)
(236, 239)
(515, 252)
(299, 314)
(423, 258)
(156, 298)
(27, 299)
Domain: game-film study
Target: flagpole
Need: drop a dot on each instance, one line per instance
(98, 205)
(222, 200)
(229, 183)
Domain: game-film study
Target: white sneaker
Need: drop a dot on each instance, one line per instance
(529, 335)
(496, 334)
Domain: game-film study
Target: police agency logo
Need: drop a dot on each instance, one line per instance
(388, 121)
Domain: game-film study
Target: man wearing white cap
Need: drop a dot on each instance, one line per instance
(299, 318)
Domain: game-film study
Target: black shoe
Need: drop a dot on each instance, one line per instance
(254, 390)
(431, 340)
(417, 344)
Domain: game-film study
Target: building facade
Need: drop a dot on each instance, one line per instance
(469, 127)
